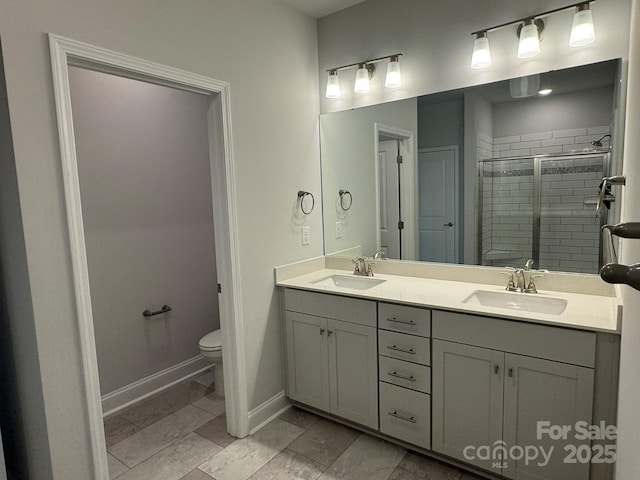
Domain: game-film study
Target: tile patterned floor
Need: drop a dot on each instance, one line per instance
(181, 434)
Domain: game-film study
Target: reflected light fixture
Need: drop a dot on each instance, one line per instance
(582, 30)
(481, 57)
(529, 31)
(364, 73)
(545, 91)
(333, 85)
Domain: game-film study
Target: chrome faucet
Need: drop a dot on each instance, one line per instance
(380, 254)
(517, 281)
(362, 267)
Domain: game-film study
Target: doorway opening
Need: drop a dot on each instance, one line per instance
(395, 179)
(66, 53)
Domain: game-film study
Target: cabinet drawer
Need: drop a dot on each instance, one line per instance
(552, 343)
(405, 374)
(354, 310)
(405, 415)
(400, 318)
(404, 347)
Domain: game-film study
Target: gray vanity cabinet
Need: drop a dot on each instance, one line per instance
(332, 354)
(484, 395)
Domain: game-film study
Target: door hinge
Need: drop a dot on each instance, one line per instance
(400, 225)
(399, 159)
(219, 288)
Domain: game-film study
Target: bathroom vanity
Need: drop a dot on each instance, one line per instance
(410, 360)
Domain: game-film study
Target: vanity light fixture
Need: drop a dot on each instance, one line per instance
(582, 30)
(364, 73)
(529, 30)
(333, 85)
(545, 91)
(481, 57)
(529, 34)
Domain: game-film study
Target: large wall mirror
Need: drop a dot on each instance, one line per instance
(493, 174)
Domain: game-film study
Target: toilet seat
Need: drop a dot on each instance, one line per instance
(211, 342)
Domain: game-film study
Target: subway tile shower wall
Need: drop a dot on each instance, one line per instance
(569, 230)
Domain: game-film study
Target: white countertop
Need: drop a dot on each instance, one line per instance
(586, 312)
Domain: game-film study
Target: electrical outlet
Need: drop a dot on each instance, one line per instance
(338, 229)
(306, 235)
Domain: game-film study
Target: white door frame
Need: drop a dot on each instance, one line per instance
(65, 52)
(407, 181)
(456, 195)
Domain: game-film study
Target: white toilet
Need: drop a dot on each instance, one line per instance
(211, 349)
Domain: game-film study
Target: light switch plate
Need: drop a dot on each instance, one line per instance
(338, 229)
(306, 235)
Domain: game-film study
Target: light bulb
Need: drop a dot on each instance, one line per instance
(333, 85)
(582, 30)
(394, 78)
(362, 79)
(529, 45)
(481, 57)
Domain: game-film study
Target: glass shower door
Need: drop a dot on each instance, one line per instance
(506, 212)
(569, 231)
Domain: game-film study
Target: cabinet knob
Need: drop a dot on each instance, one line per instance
(510, 372)
(496, 369)
(329, 332)
(322, 331)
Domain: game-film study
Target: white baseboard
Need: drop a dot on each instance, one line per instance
(263, 414)
(136, 391)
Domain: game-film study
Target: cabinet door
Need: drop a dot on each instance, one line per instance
(541, 390)
(307, 360)
(467, 402)
(353, 370)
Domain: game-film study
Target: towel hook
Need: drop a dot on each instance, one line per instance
(343, 194)
(301, 196)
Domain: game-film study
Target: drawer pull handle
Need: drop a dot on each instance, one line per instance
(406, 322)
(496, 369)
(411, 378)
(322, 331)
(403, 350)
(510, 373)
(394, 413)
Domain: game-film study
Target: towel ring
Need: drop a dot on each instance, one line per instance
(301, 195)
(343, 194)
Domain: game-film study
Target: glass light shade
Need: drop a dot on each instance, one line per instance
(481, 57)
(333, 85)
(529, 45)
(394, 78)
(362, 80)
(582, 31)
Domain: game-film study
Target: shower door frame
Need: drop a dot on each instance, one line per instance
(537, 196)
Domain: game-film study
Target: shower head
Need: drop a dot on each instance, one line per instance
(598, 143)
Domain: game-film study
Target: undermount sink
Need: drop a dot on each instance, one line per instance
(349, 281)
(526, 302)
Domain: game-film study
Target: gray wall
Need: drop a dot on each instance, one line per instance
(274, 107)
(143, 162)
(441, 124)
(586, 108)
(435, 40)
(628, 464)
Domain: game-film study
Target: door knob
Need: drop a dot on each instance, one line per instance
(450, 224)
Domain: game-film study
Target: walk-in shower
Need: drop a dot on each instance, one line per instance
(542, 207)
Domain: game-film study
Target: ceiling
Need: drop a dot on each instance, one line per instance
(321, 8)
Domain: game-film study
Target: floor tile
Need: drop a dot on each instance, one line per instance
(245, 457)
(299, 417)
(196, 475)
(289, 465)
(422, 467)
(149, 441)
(366, 459)
(164, 404)
(175, 461)
(212, 403)
(116, 429)
(216, 431)
(471, 476)
(116, 467)
(324, 441)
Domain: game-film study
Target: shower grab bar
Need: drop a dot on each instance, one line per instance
(163, 309)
